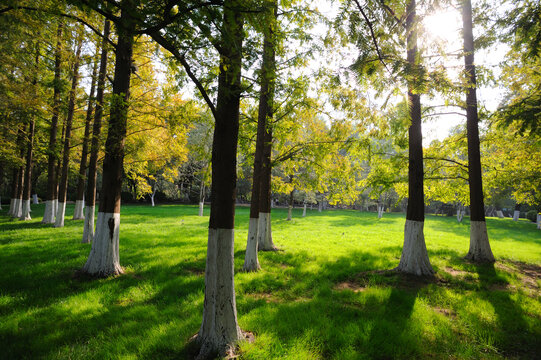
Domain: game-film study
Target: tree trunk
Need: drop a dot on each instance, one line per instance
(480, 250)
(538, 221)
(219, 329)
(27, 187)
(266, 112)
(88, 231)
(14, 190)
(78, 213)
(35, 199)
(17, 205)
(152, 195)
(320, 205)
(516, 213)
(290, 206)
(103, 260)
(49, 214)
(202, 195)
(304, 210)
(414, 259)
(63, 188)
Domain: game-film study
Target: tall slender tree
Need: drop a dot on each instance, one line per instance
(88, 231)
(414, 259)
(103, 259)
(78, 212)
(265, 115)
(63, 186)
(219, 329)
(49, 214)
(480, 250)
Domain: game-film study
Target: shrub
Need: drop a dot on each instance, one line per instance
(532, 215)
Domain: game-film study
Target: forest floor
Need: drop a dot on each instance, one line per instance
(327, 294)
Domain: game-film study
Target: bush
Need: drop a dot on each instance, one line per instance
(532, 215)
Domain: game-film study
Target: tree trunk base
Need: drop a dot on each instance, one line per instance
(11, 206)
(251, 261)
(264, 233)
(304, 211)
(289, 213)
(78, 212)
(103, 260)
(414, 259)
(60, 213)
(25, 214)
(17, 208)
(48, 215)
(88, 230)
(516, 215)
(480, 250)
(219, 330)
(35, 199)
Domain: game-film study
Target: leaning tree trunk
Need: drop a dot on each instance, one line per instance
(49, 214)
(251, 261)
(414, 259)
(480, 250)
(78, 213)
(63, 188)
(88, 230)
(104, 260)
(220, 330)
(27, 187)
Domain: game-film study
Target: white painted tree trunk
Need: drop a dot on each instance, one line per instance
(104, 260)
(219, 328)
(0, 203)
(499, 214)
(289, 211)
(35, 199)
(319, 206)
(55, 207)
(414, 259)
(11, 206)
(152, 197)
(480, 250)
(380, 211)
(25, 213)
(251, 262)
(516, 215)
(272, 203)
(539, 221)
(264, 233)
(460, 215)
(304, 210)
(201, 207)
(18, 208)
(60, 213)
(88, 230)
(48, 215)
(78, 212)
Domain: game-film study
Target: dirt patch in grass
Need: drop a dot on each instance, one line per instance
(269, 298)
(350, 285)
(445, 312)
(455, 272)
(531, 274)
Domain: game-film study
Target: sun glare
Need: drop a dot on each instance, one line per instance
(443, 26)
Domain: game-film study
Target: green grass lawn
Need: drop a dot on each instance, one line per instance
(324, 296)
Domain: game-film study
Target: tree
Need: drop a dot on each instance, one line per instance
(63, 187)
(103, 259)
(78, 213)
(480, 250)
(88, 231)
(51, 199)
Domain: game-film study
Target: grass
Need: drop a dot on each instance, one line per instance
(323, 296)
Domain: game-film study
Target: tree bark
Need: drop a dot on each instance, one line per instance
(104, 260)
(27, 188)
(17, 205)
(78, 213)
(414, 259)
(219, 329)
(480, 250)
(49, 214)
(290, 207)
(14, 190)
(516, 213)
(88, 231)
(63, 188)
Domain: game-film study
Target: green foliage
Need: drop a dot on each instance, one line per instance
(532, 215)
